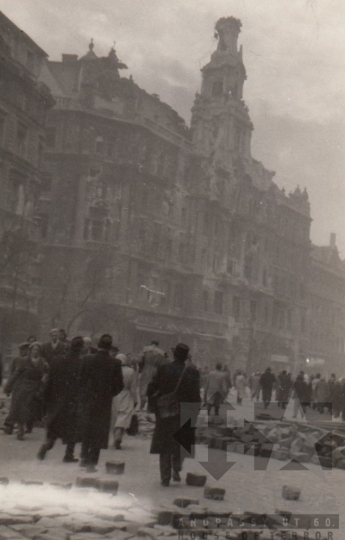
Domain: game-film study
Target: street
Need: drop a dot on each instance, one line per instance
(140, 492)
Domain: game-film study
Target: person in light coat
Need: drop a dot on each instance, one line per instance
(241, 384)
(125, 402)
(216, 389)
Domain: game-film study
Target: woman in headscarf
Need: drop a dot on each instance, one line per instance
(26, 385)
(125, 402)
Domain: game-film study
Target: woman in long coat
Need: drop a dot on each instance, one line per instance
(26, 385)
(125, 402)
(163, 441)
(240, 386)
(61, 398)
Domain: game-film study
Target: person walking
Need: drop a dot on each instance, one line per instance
(125, 402)
(61, 399)
(227, 379)
(54, 347)
(283, 389)
(300, 395)
(216, 389)
(240, 384)
(255, 386)
(322, 395)
(100, 380)
(152, 357)
(184, 382)
(26, 385)
(267, 381)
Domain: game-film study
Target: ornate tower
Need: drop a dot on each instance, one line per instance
(220, 120)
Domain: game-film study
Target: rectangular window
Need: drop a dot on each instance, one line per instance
(168, 249)
(253, 310)
(86, 229)
(236, 308)
(46, 183)
(97, 230)
(51, 137)
(21, 139)
(218, 302)
(205, 300)
(99, 145)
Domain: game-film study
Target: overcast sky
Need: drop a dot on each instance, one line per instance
(294, 52)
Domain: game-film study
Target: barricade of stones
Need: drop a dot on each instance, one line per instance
(280, 440)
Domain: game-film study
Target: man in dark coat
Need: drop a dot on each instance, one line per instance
(283, 389)
(165, 381)
(100, 380)
(267, 381)
(54, 347)
(61, 398)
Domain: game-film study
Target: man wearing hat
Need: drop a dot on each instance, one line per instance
(184, 381)
(100, 380)
(23, 352)
(54, 347)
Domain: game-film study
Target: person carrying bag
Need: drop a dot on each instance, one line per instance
(168, 406)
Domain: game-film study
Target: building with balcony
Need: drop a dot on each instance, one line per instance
(154, 230)
(24, 102)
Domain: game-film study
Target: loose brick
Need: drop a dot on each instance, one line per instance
(31, 483)
(115, 467)
(109, 486)
(252, 450)
(215, 493)
(87, 482)
(8, 534)
(183, 502)
(282, 455)
(291, 493)
(4, 481)
(61, 485)
(165, 516)
(302, 457)
(266, 450)
(195, 479)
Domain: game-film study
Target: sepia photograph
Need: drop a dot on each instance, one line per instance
(172, 270)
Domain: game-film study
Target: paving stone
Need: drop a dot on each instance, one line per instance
(8, 534)
(111, 516)
(48, 523)
(109, 486)
(115, 467)
(247, 438)
(253, 450)
(61, 485)
(31, 483)
(51, 512)
(29, 531)
(165, 516)
(195, 479)
(215, 493)
(282, 455)
(198, 511)
(87, 482)
(326, 462)
(10, 519)
(55, 534)
(300, 456)
(215, 420)
(340, 464)
(291, 493)
(4, 481)
(266, 450)
(101, 526)
(148, 532)
(183, 502)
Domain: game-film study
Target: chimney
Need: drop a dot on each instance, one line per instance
(69, 58)
(332, 240)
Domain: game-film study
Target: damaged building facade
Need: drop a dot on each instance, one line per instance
(150, 229)
(153, 230)
(24, 102)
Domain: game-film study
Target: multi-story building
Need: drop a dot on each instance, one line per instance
(24, 102)
(326, 311)
(253, 240)
(152, 229)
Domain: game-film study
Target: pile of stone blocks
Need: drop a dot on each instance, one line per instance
(281, 440)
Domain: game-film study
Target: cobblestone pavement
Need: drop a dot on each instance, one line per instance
(53, 513)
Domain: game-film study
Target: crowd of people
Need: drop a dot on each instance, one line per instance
(84, 394)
